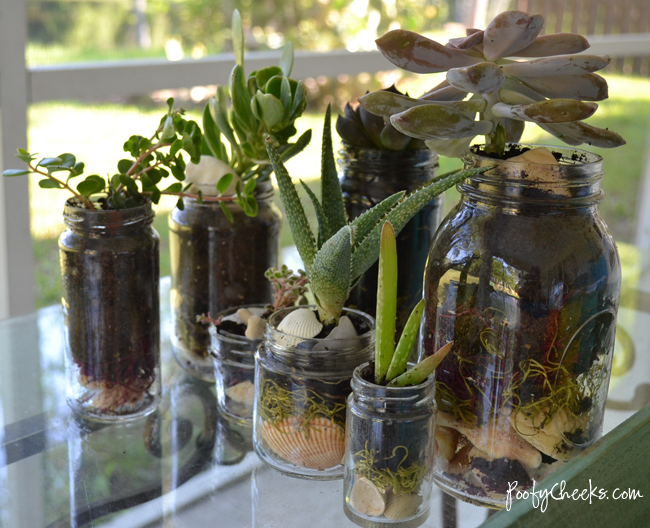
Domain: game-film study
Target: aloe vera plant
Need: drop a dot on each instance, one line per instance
(391, 361)
(246, 113)
(341, 252)
(554, 86)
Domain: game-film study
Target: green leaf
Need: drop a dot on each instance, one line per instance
(130, 185)
(296, 148)
(220, 115)
(180, 204)
(386, 302)
(299, 102)
(226, 212)
(422, 370)
(176, 147)
(47, 162)
(270, 109)
(406, 342)
(212, 136)
(286, 61)
(285, 98)
(251, 206)
(78, 169)
(49, 184)
(67, 160)
(91, 185)
(155, 196)
(331, 195)
(249, 187)
(323, 228)
(175, 187)
(265, 74)
(169, 131)
(366, 222)
(298, 223)
(170, 104)
(124, 165)
(15, 172)
(330, 274)
(241, 99)
(224, 182)
(147, 183)
(115, 181)
(199, 196)
(238, 37)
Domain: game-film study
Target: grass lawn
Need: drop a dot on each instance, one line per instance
(95, 134)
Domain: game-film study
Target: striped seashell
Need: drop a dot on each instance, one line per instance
(402, 506)
(322, 447)
(300, 323)
(367, 499)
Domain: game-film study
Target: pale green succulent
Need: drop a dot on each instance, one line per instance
(549, 90)
(341, 252)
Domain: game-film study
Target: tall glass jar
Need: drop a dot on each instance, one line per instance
(216, 265)
(389, 451)
(370, 175)
(301, 388)
(524, 277)
(110, 279)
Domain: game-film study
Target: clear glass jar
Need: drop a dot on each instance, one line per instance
(301, 388)
(234, 367)
(110, 280)
(216, 265)
(524, 277)
(389, 452)
(370, 175)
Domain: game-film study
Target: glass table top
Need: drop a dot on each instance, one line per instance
(187, 466)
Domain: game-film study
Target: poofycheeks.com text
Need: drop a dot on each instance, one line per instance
(540, 498)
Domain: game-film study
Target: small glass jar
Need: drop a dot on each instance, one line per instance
(110, 280)
(301, 388)
(234, 367)
(524, 277)
(370, 175)
(216, 265)
(389, 452)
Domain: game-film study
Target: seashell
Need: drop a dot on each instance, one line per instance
(367, 499)
(402, 506)
(322, 446)
(344, 330)
(539, 155)
(244, 314)
(301, 323)
(255, 328)
(446, 442)
(234, 317)
(243, 392)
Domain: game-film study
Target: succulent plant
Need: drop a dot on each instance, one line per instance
(250, 110)
(288, 288)
(360, 128)
(553, 87)
(341, 252)
(391, 361)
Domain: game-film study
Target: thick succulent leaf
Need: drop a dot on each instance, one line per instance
(331, 195)
(452, 148)
(212, 136)
(438, 122)
(421, 371)
(514, 85)
(567, 139)
(323, 228)
(241, 98)
(555, 44)
(267, 108)
(444, 92)
(367, 251)
(510, 32)
(393, 139)
(597, 137)
(565, 65)
(298, 223)
(352, 133)
(512, 97)
(550, 111)
(291, 149)
(406, 342)
(418, 54)
(238, 37)
(386, 302)
(365, 223)
(514, 129)
(373, 125)
(286, 60)
(330, 274)
(387, 104)
(480, 78)
(473, 39)
(587, 87)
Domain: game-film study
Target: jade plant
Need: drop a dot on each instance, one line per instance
(553, 86)
(391, 361)
(360, 128)
(138, 178)
(342, 251)
(247, 113)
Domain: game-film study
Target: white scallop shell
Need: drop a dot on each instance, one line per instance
(243, 392)
(367, 499)
(301, 323)
(322, 446)
(402, 506)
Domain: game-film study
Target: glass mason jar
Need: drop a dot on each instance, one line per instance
(110, 280)
(370, 175)
(301, 388)
(234, 367)
(215, 265)
(389, 450)
(524, 277)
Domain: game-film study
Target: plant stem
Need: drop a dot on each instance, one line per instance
(83, 199)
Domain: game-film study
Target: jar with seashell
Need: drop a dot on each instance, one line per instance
(389, 452)
(524, 277)
(236, 334)
(302, 381)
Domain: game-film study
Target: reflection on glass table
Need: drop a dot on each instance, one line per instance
(186, 465)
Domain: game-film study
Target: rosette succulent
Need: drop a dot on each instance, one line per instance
(246, 113)
(341, 252)
(360, 128)
(553, 86)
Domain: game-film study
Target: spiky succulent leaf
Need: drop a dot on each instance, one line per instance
(366, 222)
(367, 251)
(298, 223)
(406, 342)
(550, 111)
(386, 302)
(510, 32)
(418, 54)
(438, 122)
(422, 370)
(331, 195)
(330, 274)
(323, 227)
